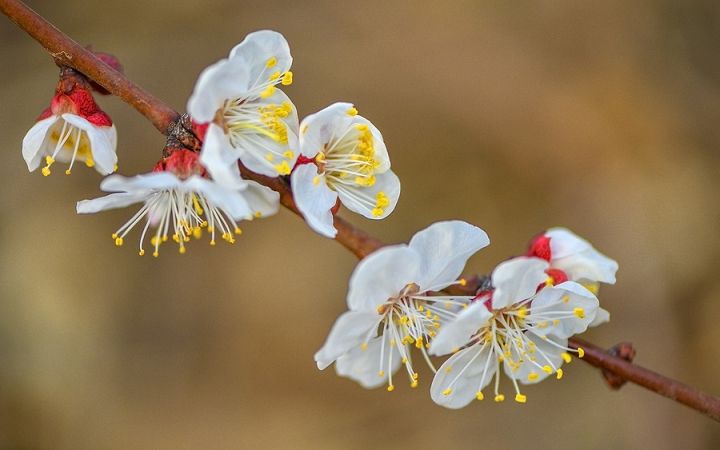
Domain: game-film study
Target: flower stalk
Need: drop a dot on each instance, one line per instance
(68, 53)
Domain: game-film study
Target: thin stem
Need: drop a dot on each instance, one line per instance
(67, 52)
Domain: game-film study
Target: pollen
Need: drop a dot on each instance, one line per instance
(581, 352)
(352, 111)
(566, 357)
(287, 79)
(381, 373)
(274, 76)
(447, 392)
(479, 395)
(414, 384)
(532, 376)
(119, 241)
(283, 168)
(579, 313)
(269, 91)
(522, 312)
(391, 388)
(559, 374)
(521, 398)
(271, 62)
(547, 369)
(289, 154)
(499, 398)
(462, 282)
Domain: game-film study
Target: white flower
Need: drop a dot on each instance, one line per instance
(343, 155)
(72, 129)
(390, 307)
(179, 202)
(575, 256)
(515, 324)
(249, 118)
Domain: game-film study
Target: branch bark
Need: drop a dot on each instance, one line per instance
(67, 52)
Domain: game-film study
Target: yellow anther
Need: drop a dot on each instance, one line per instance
(114, 235)
(462, 281)
(316, 180)
(414, 384)
(49, 160)
(257, 214)
(448, 369)
(579, 313)
(118, 241)
(532, 376)
(522, 312)
(141, 252)
(415, 376)
(566, 357)
(287, 79)
(378, 212)
(197, 232)
(556, 322)
(363, 346)
(361, 127)
(271, 62)
(581, 352)
(592, 287)
(269, 91)
(404, 360)
(352, 111)
(46, 171)
(390, 388)
(520, 398)
(381, 373)
(479, 395)
(67, 172)
(289, 154)
(501, 358)
(156, 254)
(499, 398)
(447, 392)
(212, 242)
(182, 250)
(237, 231)
(274, 76)
(565, 298)
(559, 374)
(547, 369)
(269, 157)
(283, 168)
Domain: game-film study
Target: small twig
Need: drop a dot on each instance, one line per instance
(66, 52)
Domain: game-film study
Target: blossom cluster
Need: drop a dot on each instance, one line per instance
(242, 117)
(519, 320)
(405, 301)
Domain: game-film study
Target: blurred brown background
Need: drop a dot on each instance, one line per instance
(516, 116)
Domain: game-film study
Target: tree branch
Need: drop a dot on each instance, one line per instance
(66, 52)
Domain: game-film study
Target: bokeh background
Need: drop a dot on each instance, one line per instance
(516, 116)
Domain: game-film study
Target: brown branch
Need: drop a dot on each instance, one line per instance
(615, 363)
(67, 52)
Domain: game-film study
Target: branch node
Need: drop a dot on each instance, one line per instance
(623, 350)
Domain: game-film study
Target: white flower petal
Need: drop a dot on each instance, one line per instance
(382, 275)
(517, 279)
(363, 365)
(544, 354)
(263, 53)
(102, 140)
(320, 128)
(350, 330)
(263, 201)
(462, 376)
(578, 259)
(219, 82)
(386, 183)
(32, 146)
(111, 201)
(220, 158)
(230, 201)
(314, 199)
(458, 333)
(444, 248)
(140, 183)
(570, 298)
(601, 316)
